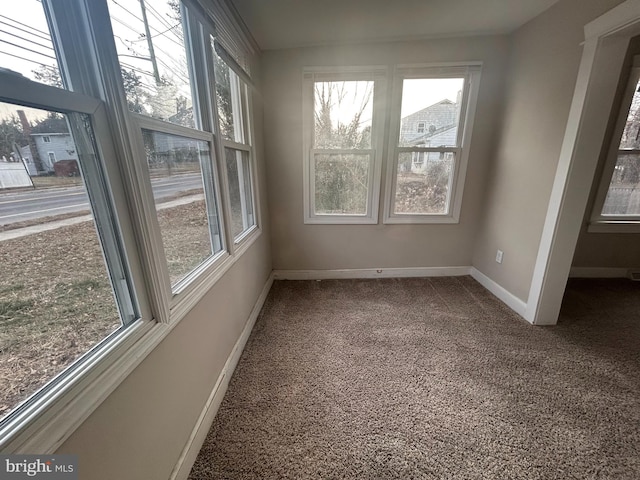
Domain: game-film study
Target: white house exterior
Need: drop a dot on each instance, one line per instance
(433, 126)
(53, 147)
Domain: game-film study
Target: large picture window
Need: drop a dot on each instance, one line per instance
(430, 134)
(342, 146)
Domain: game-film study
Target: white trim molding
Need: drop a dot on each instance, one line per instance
(205, 420)
(605, 47)
(371, 273)
(508, 298)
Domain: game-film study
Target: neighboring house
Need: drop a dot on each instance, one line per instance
(432, 126)
(53, 147)
(27, 158)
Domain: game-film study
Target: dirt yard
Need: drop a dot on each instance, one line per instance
(56, 301)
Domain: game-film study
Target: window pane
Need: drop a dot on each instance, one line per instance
(56, 299)
(25, 42)
(343, 112)
(153, 62)
(631, 133)
(240, 191)
(423, 182)
(341, 183)
(188, 231)
(430, 112)
(623, 197)
(229, 91)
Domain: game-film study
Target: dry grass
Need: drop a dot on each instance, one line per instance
(185, 236)
(38, 221)
(53, 181)
(56, 301)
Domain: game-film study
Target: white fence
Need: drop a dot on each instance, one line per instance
(14, 175)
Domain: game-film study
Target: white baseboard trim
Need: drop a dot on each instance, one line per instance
(508, 298)
(370, 273)
(199, 433)
(598, 272)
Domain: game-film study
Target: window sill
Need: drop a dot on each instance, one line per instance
(55, 413)
(614, 226)
(420, 219)
(340, 220)
(192, 293)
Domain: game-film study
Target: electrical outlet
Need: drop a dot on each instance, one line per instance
(499, 255)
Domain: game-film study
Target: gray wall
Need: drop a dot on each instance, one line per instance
(545, 57)
(296, 246)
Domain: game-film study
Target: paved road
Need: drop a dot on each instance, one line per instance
(21, 206)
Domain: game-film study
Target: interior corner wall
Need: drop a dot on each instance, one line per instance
(543, 68)
(608, 250)
(141, 429)
(296, 246)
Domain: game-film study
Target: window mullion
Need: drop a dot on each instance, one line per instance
(197, 55)
(128, 149)
(225, 207)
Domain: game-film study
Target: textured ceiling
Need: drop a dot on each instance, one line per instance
(293, 23)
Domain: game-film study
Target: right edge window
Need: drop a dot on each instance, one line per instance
(429, 143)
(617, 206)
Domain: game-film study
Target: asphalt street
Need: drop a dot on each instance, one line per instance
(28, 205)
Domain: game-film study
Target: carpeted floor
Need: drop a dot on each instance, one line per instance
(431, 378)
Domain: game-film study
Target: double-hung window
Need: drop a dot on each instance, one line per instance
(617, 205)
(432, 114)
(233, 111)
(165, 87)
(111, 105)
(343, 129)
(67, 290)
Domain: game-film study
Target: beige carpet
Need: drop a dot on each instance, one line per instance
(431, 378)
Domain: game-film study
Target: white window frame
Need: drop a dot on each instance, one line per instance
(377, 74)
(471, 73)
(46, 139)
(241, 93)
(599, 223)
(42, 422)
(89, 65)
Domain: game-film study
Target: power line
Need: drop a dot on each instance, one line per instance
(127, 65)
(158, 15)
(125, 24)
(47, 37)
(28, 49)
(26, 39)
(128, 11)
(27, 59)
(178, 74)
(166, 24)
(46, 34)
(156, 35)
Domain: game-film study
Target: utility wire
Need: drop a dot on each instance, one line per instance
(28, 49)
(26, 39)
(27, 59)
(48, 37)
(25, 25)
(128, 11)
